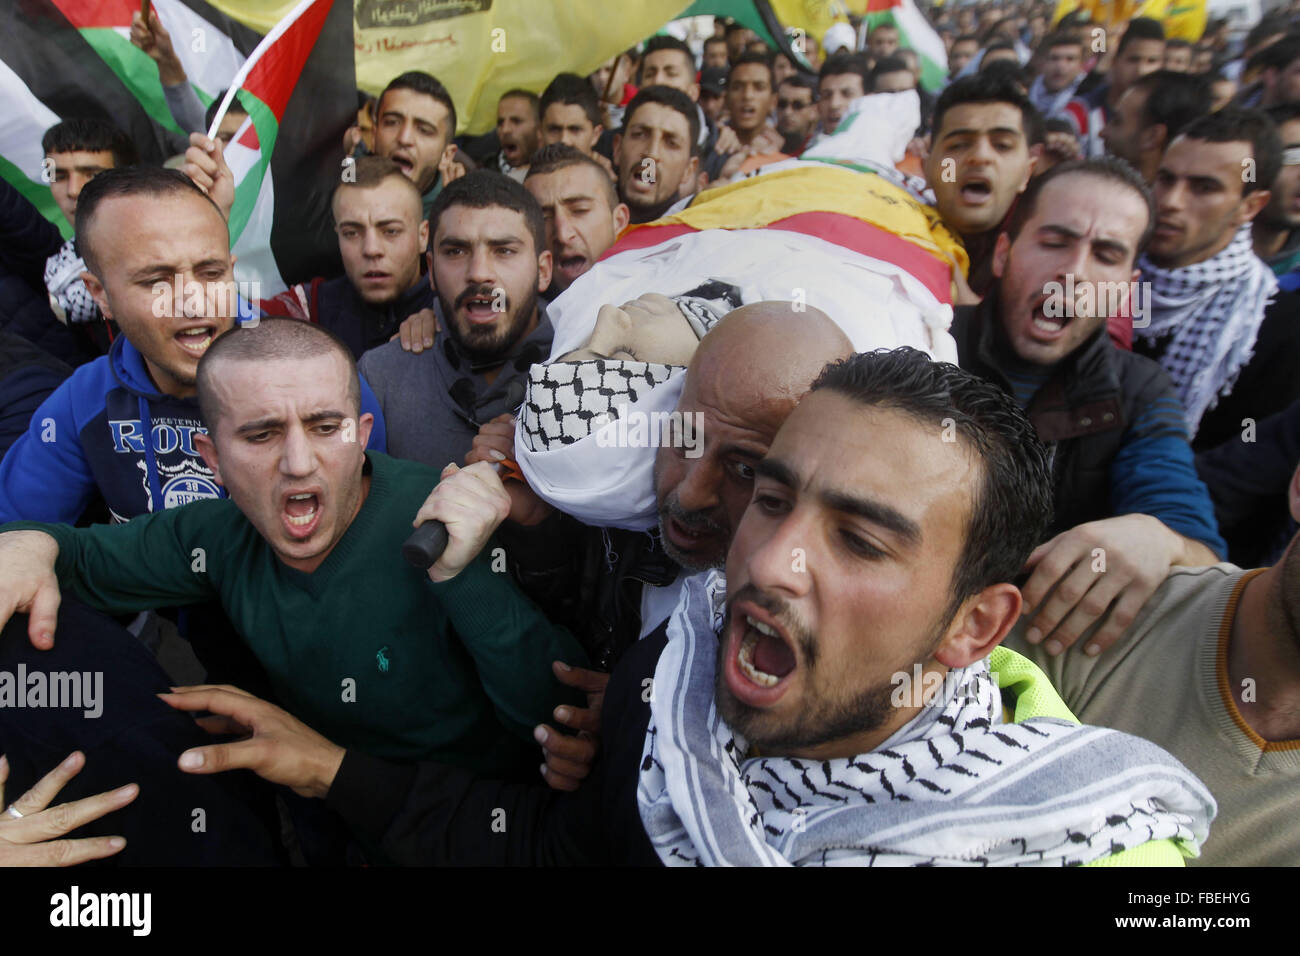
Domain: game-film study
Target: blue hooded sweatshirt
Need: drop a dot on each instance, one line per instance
(88, 437)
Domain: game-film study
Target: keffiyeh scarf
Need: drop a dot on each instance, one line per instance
(955, 786)
(1213, 310)
(63, 280)
(566, 401)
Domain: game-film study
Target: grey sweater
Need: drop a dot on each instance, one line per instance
(434, 403)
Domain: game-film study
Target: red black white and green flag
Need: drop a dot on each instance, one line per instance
(73, 58)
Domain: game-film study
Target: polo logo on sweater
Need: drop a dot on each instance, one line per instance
(382, 660)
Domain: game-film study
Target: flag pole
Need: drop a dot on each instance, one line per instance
(277, 31)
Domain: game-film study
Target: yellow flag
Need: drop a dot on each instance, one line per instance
(1184, 19)
(477, 48)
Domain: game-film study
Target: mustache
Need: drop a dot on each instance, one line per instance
(479, 291)
(697, 522)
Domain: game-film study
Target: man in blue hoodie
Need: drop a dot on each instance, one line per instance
(144, 233)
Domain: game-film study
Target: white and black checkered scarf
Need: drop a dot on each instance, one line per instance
(954, 786)
(1212, 310)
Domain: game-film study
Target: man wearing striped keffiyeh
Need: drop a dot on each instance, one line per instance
(1208, 288)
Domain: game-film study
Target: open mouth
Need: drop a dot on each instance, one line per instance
(690, 540)
(405, 163)
(196, 340)
(374, 276)
(480, 309)
(1050, 326)
(760, 659)
(976, 190)
(301, 513)
(572, 266)
(1165, 227)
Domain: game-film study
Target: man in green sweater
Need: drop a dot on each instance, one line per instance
(305, 558)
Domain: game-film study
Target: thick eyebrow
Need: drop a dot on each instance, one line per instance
(1068, 233)
(383, 222)
(891, 519)
(262, 424)
(156, 267)
(973, 131)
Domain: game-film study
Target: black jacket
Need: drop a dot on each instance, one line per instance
(335, 304)
(1115, 427)
(432, 814)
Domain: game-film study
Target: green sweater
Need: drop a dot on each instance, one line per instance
(366, 649)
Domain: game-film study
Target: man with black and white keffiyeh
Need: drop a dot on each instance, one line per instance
(832, 700)
(1208, 289)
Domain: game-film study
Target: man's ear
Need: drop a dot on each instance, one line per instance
(96, 290)
(544, 266)
(1035, 158)
(618, 145)
(424, 240)
(692, 171)
(597, 132)
(1293, 495)
(1252, 204)
(207, 450)
(694, 92)
(1154, 138)
(1001, 249)
(365, 423)
(979, 626)
(622, 216)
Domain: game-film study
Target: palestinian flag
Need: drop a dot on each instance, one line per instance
(73, 58)
(264, 84)
(915, 32)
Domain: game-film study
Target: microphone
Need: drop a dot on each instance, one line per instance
(425, 545)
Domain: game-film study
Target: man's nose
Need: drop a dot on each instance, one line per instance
(406, 133)
(779, 562)
(564, 230)
(370, 244)
(297, 457)
(700, 487)
(480, 265)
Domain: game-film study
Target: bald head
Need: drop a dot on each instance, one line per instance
(745, 378)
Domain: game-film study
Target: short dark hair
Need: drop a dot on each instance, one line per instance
(1011, 506)
(419, 82)
(569, 89)
(1283, 113)
(1173, 99)
(999, 45)
(1110, 168)
(986, 87)
(672, 98)
(804, 81)
(557, 156)
(889, 64)
(708, 40)
(665, 42)
(270, 339)
(762, 59)
(91, 136)
(733, 26)
(840, 64)
(370, 171)
(211, 113)
(485, 188)
(1141, 28)
(522, 94)
(1280, 55)
(1243, 126)
(128, 181)
(1177, 43)
(1060, 38)
(968, 38)
(1269, 25)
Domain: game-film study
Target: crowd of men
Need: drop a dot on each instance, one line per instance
(1091, 518)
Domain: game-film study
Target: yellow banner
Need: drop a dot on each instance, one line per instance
(1181, 18)
(479, 49)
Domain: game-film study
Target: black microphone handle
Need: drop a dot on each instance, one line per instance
(425, 545)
